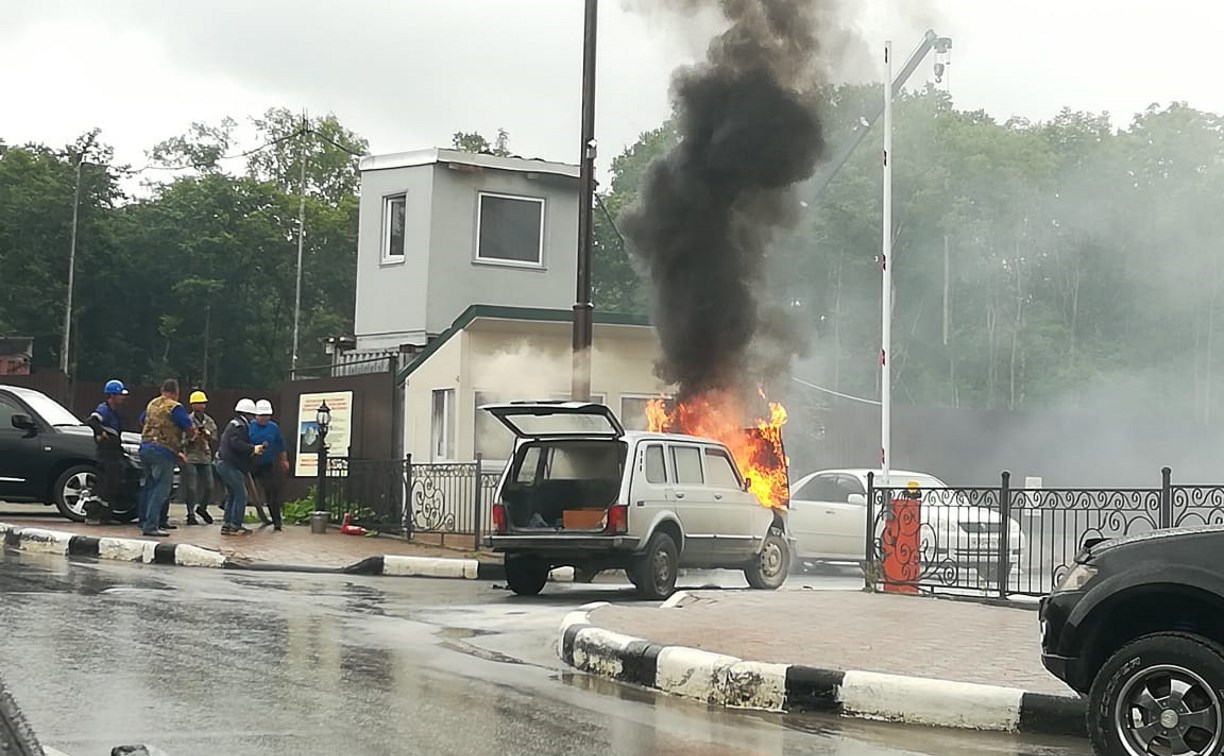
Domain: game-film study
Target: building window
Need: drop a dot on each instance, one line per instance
(442, 426)
(633, 410)
(394, 212)
(510, 230)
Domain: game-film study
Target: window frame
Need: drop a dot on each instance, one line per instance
(479, 259)
(448, 425)
(646, 449)
(676, 467)
(384, 245)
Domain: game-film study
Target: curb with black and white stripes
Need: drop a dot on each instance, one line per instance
(727, 681)
(40, 540)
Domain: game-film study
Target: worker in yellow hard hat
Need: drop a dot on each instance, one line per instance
(198, 469)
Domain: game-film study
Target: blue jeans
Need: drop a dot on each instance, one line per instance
(235, 493)
(158, 477)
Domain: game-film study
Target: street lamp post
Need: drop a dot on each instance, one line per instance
(584, 309)
(76, 208)
(323, 421)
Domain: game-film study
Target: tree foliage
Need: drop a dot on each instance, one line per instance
(197, 279)
(1070, 262)
(1052, 264)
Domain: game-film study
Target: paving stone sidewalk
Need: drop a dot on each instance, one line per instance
(295, 545)
(846, 630)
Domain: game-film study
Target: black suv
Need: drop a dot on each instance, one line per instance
(1138, 626)
(47, 455)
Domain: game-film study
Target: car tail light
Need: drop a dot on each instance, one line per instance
(499, 517)
(618, 519)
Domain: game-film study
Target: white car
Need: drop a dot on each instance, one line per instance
(828, 520)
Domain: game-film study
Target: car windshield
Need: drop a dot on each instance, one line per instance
(51, 411)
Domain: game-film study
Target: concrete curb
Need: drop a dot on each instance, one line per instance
(40, 540)
(727, 681)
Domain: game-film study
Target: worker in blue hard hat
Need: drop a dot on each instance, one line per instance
(106, 496)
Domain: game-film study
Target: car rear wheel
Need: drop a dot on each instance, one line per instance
(769, 569)
(654, 571)
(526, 575)
(1160, 694)
(72, 489)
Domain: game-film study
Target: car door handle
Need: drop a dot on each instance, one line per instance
(718, 496)
(679, 494)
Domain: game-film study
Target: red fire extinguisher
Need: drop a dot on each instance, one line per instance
(348, 528)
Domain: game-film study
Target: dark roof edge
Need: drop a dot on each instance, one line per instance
(504, 312)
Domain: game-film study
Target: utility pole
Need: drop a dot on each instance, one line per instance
(76, 207)
(886, 279)
(584, 310)
(301, 238)
(207, 338)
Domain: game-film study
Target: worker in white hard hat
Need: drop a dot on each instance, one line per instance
(198, 469)
(234, 460)
(273, 464)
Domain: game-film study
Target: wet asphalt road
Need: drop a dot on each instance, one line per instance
(210, 662)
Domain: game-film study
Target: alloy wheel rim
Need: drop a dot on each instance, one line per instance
(1168, 710)
(76, 490)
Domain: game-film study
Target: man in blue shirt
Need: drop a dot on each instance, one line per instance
(166, 426)
(273, 463)
(107, 426)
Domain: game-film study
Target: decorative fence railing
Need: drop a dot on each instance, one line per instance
(400, 496)
(1005, 541)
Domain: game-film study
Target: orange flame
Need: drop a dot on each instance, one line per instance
(757, 449)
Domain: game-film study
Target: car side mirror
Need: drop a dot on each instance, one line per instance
(24, 423)
(747, 484)
(857, 499)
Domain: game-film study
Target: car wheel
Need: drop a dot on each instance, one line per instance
(526, 575)
(1160, 694)
(769, 569)
(72, 489)
(654, 571)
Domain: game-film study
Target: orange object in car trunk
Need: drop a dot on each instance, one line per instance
(582, 519)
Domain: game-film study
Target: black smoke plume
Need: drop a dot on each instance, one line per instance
(710, 208)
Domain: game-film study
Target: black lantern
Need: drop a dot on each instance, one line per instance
(323, 418)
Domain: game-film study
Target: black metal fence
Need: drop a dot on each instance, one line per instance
(400, 496)
(1005, 541)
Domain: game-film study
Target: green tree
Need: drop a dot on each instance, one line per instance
(472, 141)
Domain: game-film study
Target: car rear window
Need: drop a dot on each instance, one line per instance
(569, 460)
(687, 460)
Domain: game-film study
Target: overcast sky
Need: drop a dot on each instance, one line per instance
(406, 74)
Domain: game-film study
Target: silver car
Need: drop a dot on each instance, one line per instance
(581, 491)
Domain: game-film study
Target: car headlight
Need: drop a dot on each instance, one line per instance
(1077, 578)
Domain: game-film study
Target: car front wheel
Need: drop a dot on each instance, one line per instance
(1160, 694)
(769, 569)
(72, 489)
